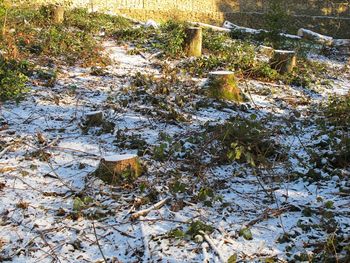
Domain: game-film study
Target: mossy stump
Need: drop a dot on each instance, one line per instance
(57, 14)
(283, 61)
(222, 85)
(115, 169)
(193, 41)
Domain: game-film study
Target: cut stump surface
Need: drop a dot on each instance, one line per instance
(117, 168)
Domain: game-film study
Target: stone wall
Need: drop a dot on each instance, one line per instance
(325, 16)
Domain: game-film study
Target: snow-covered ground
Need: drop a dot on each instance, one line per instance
(41, 180)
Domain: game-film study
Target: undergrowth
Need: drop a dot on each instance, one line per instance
(13, 77)
(28, 34)
(336, 127)
(246, 140)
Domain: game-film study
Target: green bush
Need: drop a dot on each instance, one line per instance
(246, 140)
(169, 38)
(276, 21)
(334, 127)
(94, 22)
(172, 38)
(12, 79)
(338, 111)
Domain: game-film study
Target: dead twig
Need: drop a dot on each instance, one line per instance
(267, 214)
(145, 212)
(98, 243)
(213, 246)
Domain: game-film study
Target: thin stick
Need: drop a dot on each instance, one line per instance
(148, 210)
(98, 243)
(213, 246)
(4, 151)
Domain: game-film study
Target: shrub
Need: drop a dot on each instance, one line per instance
(337, 114)
(338, 111)
(94, 22)
(276, 20)
(169, 37)
(246, 140)
(12, 79)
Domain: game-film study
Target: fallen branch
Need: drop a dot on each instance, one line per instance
(148, 210)
(213, 246)
(242, 29)
(215, 28)
(315, 37)
(4, 151)
(268, 213)
(252, 31)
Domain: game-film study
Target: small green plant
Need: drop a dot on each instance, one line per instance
(177, 187)
(49, 77)
(160, 152)
(196, 227)
(246, 233)
(81, 203)
(177, 233)
(205, 194)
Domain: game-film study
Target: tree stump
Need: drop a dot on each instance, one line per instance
(193, 42)
(94, 118)
(283, 61)
(57, 14)
(223, 85)
(117, 168)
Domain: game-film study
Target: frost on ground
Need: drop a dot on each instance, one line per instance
(53, 210)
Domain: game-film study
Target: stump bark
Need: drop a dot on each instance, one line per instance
(283, 61)
(193, 41)
(117, 168)
(223, 85)
(57, 14)
(94, 118)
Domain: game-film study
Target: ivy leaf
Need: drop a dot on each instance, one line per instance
(246, 233)
(78, 204)
(232, 259)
